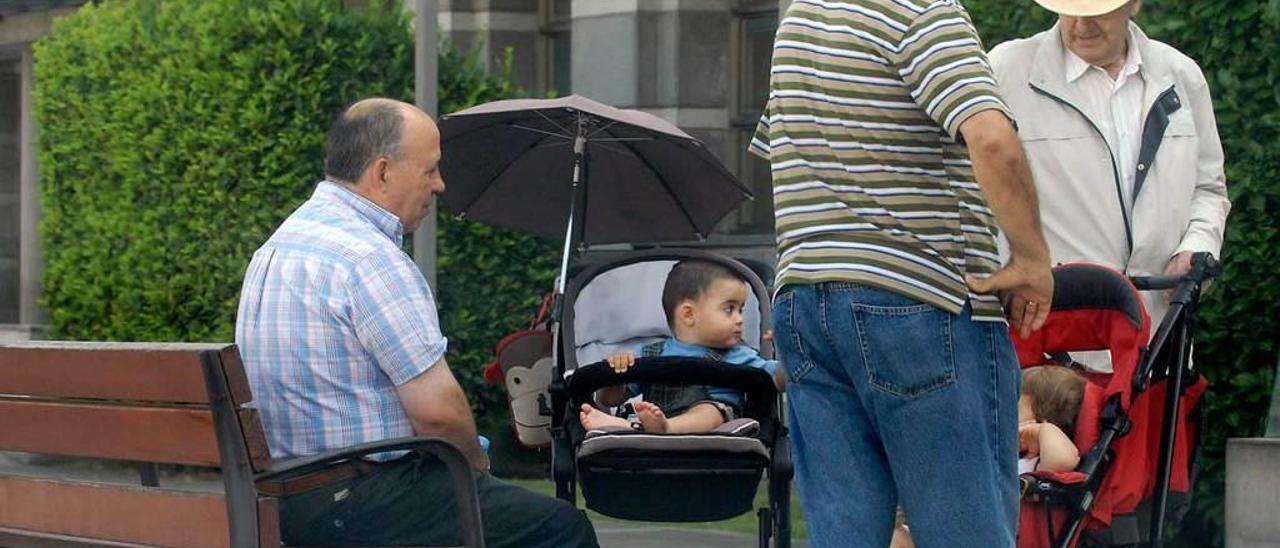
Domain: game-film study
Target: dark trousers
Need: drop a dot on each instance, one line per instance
(411, 502)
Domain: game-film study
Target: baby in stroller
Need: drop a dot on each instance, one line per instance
(703, 302)
(1047, 411)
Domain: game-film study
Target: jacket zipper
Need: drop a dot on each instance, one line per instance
(1115, 167)
(1141, 178)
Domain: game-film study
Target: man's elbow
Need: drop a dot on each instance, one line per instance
(438, 419)
(990, 137)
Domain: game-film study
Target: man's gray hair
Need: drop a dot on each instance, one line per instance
(361, 135)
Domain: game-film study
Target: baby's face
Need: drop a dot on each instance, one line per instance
(717, 319)
(1025, 413)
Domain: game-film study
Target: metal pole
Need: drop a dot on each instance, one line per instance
(426, 95)
(579, 146)
(1172, 400)
(30, 262)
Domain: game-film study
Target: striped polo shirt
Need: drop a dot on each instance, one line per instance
(870, 182)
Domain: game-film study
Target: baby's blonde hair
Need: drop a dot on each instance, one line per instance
(1056, 394)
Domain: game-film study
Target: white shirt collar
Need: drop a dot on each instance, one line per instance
(1077, 67)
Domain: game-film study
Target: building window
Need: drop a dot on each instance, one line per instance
(10, 185)
(755, 23)
(555, 63)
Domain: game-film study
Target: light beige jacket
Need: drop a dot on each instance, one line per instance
(1181, 199)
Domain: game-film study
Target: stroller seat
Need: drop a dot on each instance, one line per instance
(1117, 429)
(664, 477)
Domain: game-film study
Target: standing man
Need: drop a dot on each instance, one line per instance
(1120, 133)
(903, 382)
(340, 338)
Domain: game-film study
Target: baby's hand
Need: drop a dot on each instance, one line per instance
(1029, 439)
(622, 361)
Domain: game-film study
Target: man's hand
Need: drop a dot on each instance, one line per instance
(622, 361)
(1180, 265)
(1030, 284)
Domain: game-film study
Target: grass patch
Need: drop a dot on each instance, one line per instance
(745, 524)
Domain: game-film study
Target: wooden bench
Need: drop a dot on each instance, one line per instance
(183, 404)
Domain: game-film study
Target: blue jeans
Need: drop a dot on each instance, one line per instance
(895, 401)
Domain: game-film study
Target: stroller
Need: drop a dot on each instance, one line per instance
(663, 477)
(1139, 427)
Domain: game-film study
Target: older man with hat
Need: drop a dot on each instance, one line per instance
(1120, 132)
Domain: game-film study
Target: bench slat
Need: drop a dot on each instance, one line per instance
(255, 439)
(114, 512)
(237, 379)
(152, 372)
(152, 434)
(18, 538)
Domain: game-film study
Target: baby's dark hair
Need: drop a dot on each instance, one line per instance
(1056, 394)
(689, 279)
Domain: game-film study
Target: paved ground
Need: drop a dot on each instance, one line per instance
(672, 537)
(611, 535)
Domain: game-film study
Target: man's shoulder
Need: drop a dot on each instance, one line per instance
(1017, 55)
(318, 228)
(1181, 65)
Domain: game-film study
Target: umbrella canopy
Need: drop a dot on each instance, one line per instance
(512, 164)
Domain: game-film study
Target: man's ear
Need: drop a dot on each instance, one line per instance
(380, 167)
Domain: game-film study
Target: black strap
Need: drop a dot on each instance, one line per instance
(1153, 134)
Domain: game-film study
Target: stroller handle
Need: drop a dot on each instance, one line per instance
(1203, 267)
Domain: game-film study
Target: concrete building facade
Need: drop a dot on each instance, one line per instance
(701, 64)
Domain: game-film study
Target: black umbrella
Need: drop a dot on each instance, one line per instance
(584, 171)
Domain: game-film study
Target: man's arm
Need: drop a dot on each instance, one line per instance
(1209, 201)
(1001, 168)
(939, 50)
(436, 406)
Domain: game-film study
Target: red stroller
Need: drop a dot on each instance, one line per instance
(1138, 446)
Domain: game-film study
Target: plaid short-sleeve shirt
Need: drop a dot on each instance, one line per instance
(871, 184)
(333, 317)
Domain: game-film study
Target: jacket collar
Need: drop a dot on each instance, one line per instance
(1049, 71)
(1077, 67)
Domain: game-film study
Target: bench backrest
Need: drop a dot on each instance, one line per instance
(145, 402)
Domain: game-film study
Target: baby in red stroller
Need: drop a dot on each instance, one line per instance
(1133, 433)
(1137, 428)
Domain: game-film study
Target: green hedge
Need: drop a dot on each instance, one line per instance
(176, 136)
(1236, 45)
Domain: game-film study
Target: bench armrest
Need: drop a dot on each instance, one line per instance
(460, 472)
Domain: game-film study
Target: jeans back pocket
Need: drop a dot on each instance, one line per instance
(907, 350)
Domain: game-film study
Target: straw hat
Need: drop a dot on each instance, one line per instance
(1082, 8)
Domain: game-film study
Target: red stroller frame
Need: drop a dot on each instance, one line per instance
(1128, 424)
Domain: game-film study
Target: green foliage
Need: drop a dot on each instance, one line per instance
(176, 136)
(1235, 44)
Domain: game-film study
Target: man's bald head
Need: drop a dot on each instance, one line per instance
(368, 129)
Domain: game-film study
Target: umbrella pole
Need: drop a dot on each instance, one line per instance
(579, 145)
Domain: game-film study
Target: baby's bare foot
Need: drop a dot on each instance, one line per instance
(652, 417)
(592, 418)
